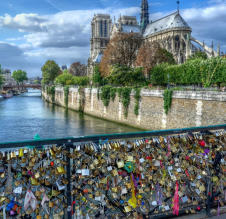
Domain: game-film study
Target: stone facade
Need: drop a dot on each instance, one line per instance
(171, 32)
(101, 28)
(189, 109)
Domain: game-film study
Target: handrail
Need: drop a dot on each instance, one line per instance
(97, 138)
(68, 143)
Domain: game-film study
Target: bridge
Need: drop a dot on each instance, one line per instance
(25, 86)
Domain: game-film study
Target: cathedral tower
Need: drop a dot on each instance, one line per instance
(101, 27)
(144, 18)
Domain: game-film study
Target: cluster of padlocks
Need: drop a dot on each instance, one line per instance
(133, 178)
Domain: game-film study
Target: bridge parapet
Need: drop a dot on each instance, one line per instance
(156, 174)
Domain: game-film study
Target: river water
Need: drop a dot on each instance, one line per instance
(24, 116)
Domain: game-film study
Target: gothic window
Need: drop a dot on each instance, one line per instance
(184, 45)
(182, 59)
(105, 28)
(177, 42)
(92, 30)
(101, 28)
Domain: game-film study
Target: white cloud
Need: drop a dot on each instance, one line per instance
(208, 23)
(13, 57)
(64, 36)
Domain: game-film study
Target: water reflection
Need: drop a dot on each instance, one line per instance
(24, 116)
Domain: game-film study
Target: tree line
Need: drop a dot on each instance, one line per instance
(18, 75)
(53, 74)
(128, 61)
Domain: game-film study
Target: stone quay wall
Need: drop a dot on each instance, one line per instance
(189, 108)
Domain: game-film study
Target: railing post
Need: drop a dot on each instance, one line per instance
(68, 193)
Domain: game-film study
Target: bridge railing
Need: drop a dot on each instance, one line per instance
(153, 174)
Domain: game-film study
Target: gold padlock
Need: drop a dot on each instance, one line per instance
(21, 152)
(51, 204)
(120, 164)
(61, 170)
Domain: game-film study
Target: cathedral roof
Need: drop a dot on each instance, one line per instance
(169, 22)
(130, 28)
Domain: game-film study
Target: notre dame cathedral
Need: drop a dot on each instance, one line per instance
(171, 32)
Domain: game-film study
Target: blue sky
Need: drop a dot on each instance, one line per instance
(32, 31)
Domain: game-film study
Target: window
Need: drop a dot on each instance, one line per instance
(101, 28)
(105, 29)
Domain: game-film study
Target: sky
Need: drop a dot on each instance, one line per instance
(33, 31)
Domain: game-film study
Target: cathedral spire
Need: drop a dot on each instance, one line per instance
(144, 18)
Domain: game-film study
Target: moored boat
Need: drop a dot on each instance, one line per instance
(7, 95)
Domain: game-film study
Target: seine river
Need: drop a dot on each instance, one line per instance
(24, 116)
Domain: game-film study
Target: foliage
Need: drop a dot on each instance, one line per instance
(98, 93)
(137, 98)
(158, 75)
(1, 77)
(51, 91)
(124, 96)
(198, 71)
(68, 79)
(78, 69)
(66, 94)
(121, 50)
(105, 94)
(80, 80)
(19, 76)
(150, 54)
(64, 79)
(97, 78)
(1, 80)
(113, 93)
(167, 97)
(126, 76)
(50, 70)
(81, 99)
(36, 82)
(198, 55)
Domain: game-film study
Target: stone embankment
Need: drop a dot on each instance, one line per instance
(189, 108)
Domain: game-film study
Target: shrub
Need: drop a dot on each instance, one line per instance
(80, 80)
(68, 79)
(64, 79)
(97, 78)
(158, 75)
(105, 94)
(197, 71)
(126, 76)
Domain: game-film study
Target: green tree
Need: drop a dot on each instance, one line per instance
(19, 76)
(126, 76)
(50, 70)
(1, 80)
(68, 79)
(97, 78)
(198, 55)
(64, 79)
(151, 54)
(1, 77)
(80, 80)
